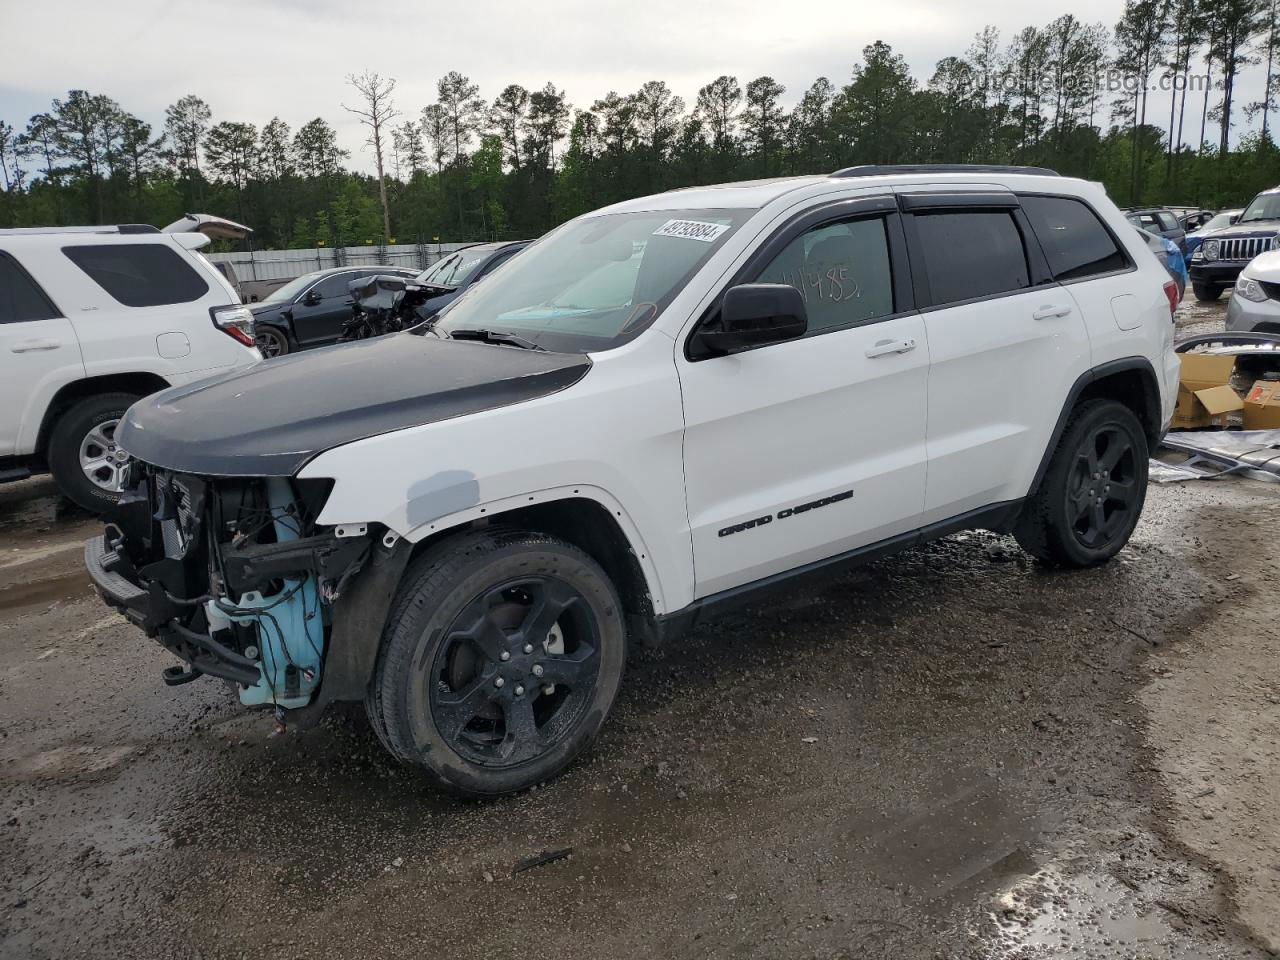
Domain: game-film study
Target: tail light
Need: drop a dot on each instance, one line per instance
(1171, 291)
(235, 321)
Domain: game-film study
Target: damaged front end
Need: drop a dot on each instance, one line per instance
(234, 577)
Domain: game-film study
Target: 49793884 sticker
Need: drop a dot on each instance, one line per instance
(691, 230)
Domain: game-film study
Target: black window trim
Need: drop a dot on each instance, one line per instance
(1129, 267)
(1037, 266)
(883, 206)
(328, 276)
(56, 311)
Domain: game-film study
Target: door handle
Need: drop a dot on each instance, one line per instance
(883, 348)
(36, 343)
(1051, 311)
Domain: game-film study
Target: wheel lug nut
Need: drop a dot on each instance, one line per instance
(528, 648)
(537, 669)
(498, 681)
(519, 691)
(549, 689)
(506, 655)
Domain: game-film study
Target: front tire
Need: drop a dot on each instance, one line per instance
(1092, 493)
(503, 654)
(270, 342)
(82, 453)
(1207, 292)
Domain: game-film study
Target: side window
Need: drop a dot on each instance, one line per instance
(20, 299)
(336, 285)
(971, 254)
(842, 271)
(139, 274)
(1167, 221)
(1075, 242)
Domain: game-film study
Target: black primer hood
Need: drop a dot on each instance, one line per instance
(271, 418)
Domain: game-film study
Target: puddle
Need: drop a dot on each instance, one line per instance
(1051, 914)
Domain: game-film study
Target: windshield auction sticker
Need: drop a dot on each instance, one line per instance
(691, 230)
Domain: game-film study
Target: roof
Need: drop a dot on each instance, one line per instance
(115, 229)
(755, 194)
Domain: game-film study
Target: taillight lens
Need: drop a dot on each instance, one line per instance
(235, 321)
(1171, 291)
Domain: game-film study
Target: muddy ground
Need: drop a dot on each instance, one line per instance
(949, 754)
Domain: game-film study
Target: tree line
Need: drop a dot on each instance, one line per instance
(1069, 95)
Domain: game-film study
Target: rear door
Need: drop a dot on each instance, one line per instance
(1005, 343)
(39, 353)
(803, 450)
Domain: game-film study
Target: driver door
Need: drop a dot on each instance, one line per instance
(319, 313)
(800, 451)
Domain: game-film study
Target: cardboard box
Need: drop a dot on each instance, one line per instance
(1262, 406)
(1205, 395)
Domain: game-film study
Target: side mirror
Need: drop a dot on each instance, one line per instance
(311, 299)
(755, 314)
(1235, 218)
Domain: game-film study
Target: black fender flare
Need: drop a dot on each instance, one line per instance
(355, 634)
(1151, 415)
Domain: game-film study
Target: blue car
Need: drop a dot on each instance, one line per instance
(1169, 254)
(1219, 221)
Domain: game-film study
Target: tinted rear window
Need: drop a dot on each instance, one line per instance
(1075, 242)
(139, 274)
(20, 299)
(971, 254)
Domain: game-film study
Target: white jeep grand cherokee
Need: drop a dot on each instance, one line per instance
(655, 409)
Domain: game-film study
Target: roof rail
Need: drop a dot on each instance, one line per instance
(121, 228)
(883, 170)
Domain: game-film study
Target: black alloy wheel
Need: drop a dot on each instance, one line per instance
(515, 671)
(1103, 494)
(1090, 498)
(500, 660)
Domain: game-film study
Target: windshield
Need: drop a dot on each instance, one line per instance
(1265, 206)
(1218, 222)
(291, 289)
(454, 269)
(595, 283)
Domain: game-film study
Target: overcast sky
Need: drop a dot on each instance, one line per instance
(255, 60)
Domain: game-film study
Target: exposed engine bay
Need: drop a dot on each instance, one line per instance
(232, 575)
(388, 304)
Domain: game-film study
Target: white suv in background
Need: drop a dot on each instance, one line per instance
(663, 406)
(92, 319)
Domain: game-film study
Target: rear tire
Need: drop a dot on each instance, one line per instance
(503, 653)
(83, 437)
(1092, 493)
(1207, 292)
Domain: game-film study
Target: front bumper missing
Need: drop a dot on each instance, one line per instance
(157, 614)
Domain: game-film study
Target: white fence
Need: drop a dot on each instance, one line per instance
(278, 265)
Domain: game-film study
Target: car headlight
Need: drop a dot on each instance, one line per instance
(1210, 248)
(1250, 289)
(1275, 242)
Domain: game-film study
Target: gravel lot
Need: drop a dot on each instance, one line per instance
(951, 753)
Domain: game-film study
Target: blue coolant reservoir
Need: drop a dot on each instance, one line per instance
(290, 624)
